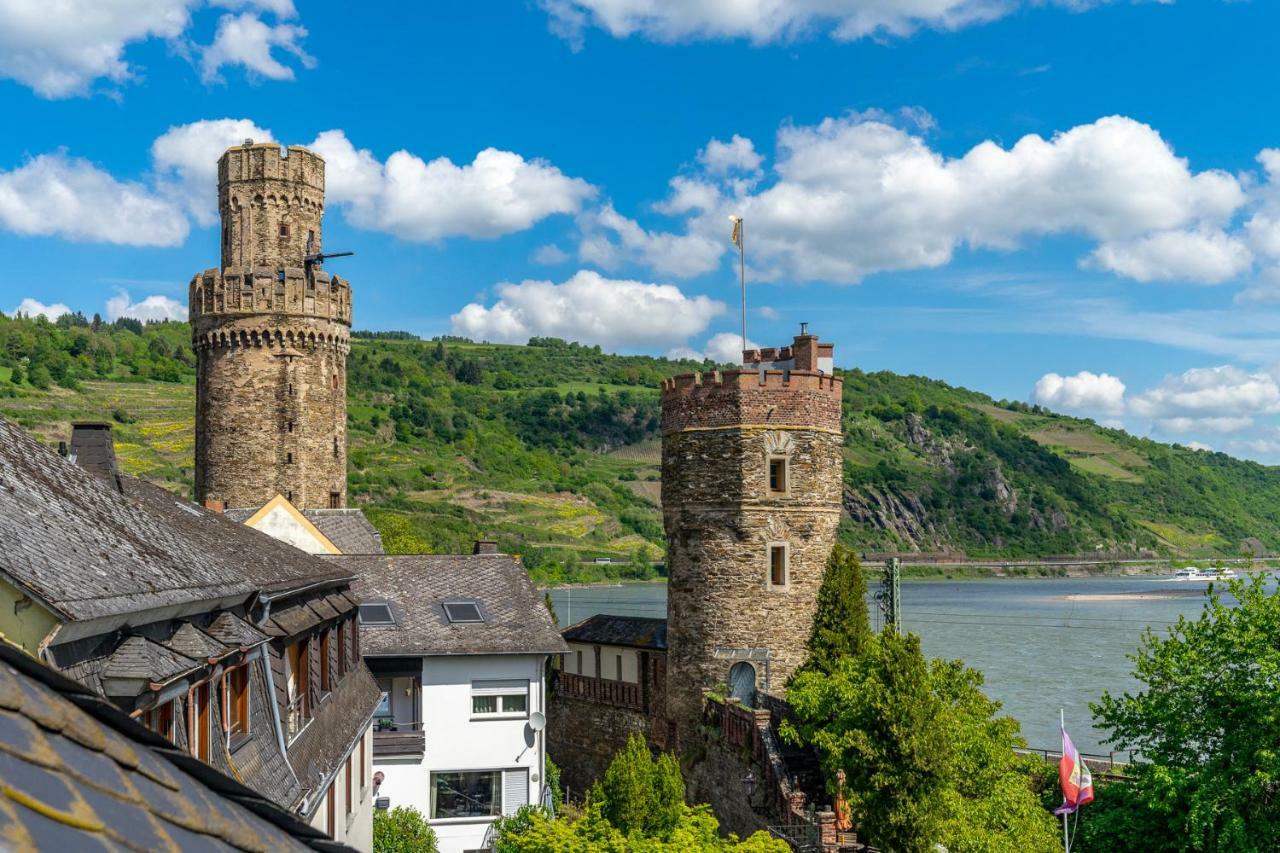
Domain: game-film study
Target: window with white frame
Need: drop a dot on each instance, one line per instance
(497, 699)
(472, 794)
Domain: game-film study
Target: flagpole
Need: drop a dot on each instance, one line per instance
(1066, 841)
(742, 276)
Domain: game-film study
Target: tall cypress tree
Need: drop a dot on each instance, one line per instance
(840, 625)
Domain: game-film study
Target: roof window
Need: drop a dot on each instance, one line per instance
(378, 613)
(463, 611)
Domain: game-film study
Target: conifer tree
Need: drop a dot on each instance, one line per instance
(840, 624)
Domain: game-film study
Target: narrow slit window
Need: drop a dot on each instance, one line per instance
(778, 565)
(619, 673)
(335, 500)
(777, 475)
(284, 229)
(288, 459)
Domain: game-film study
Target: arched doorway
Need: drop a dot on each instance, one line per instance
(742, 683)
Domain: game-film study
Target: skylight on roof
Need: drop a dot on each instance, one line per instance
(376, 614)
(463, 611)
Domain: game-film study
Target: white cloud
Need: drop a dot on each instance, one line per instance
(1205, 256)
(550, 255)
(34, 308)
(768, 312)
(61, 49)
(1083, 392)
(57, 195)
(498, 193)
(726, 348)
(1212, 399)
(736, 155)
(764, 21)
(591, 309)
(151, 308)
(186, 161)
(245, 39)
(1199, 445)
(858, 195)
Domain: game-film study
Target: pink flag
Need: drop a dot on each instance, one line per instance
(1077, 783)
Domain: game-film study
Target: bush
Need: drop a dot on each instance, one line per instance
(402, 830)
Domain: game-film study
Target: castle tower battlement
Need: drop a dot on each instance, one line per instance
(271, 331)
(751, 497)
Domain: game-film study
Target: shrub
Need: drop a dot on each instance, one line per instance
(402, 830)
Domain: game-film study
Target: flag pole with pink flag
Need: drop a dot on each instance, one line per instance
(1077, 782)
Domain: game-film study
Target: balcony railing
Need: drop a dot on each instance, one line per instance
(607, 691)
(398, 739)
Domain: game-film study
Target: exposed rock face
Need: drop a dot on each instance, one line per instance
(903, 517)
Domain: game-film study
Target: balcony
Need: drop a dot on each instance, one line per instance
(392, 739)
(605, 691)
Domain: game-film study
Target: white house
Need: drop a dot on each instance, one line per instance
(459, 646)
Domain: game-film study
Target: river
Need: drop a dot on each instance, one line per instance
(1042, 644)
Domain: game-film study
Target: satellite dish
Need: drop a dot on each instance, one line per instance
(537, 721)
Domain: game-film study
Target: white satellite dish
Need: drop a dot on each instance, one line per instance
(537, 721)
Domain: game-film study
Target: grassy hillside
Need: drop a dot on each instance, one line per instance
(553, 449)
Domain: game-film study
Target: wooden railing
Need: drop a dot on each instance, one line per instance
(606, 691)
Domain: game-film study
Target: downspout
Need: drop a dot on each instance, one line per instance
(275, 706)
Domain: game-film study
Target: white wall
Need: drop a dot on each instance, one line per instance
(454, 741)
(608, 662)
(354, 828)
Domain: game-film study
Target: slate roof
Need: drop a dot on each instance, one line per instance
(138, 657)
(86, 550)
(230, 629)
(194, 643)
(516, 621)
(639, 632)
(340, 719)
(81, 775)
(347, 529)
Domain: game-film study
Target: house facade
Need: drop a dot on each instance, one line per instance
(238, 649)
(459, 647)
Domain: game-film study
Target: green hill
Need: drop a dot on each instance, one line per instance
(553, 449)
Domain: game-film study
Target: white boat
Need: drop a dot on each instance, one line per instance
(1219, 574)
(1191, 574)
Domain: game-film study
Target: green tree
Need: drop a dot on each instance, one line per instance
(1204, 729)
(640, 794)
(402, 830)
(841, 626)
(927, 760)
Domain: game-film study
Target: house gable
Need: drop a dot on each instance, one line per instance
(280, 520)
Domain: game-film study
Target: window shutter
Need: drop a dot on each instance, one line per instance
(515, 790)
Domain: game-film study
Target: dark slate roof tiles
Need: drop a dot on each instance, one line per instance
(80, 775)
(233, 631)
(516, 620)
(138, 657)
(341, 718)
(191, 641)
(347, 529)
(639, 632)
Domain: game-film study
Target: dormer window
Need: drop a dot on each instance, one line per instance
(462, 612)
(376, 613)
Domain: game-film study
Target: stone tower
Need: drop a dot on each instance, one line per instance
(271, 332)
(751, 498)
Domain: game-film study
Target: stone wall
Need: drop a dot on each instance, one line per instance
(584, 736)
(271, 332)
(722, 518)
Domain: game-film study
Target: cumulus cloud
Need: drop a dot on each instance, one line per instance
(1214, 399)
(857, 195)
(151, 308)
(1203, 256)
(769, 313)
(186, 161)
(592, 309)
(61, 51)
(247, 40)
(738, 154)
(58, 195)
(726, 348)
(498, 193)
(611, 239)
(1083, 392)
(550, 255)
(34, 308)
(765, 21)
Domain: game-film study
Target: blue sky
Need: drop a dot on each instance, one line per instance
(1066, 202)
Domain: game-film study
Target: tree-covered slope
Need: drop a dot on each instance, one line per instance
(553, 449)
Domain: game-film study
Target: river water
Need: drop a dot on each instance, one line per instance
(1042, 644)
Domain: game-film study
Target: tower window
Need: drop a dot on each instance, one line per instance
(777, 475)
(284, 229)
(288, 496)
(777, 565)
(288, 459)
(290, 426)
(335, 500)
(336, 454)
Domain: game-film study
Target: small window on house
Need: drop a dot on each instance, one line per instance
(778, 565)
(160, 720)
(463, 611)
(199, 718)
(342, 649)
(376, 614)
(619, 662)
(284, 229)
(777, 475)
(499, 698)
(579, 670)
(335, 500)
(238, 701)
(466, 793)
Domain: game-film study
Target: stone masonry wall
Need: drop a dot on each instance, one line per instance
(271, 332)
(721, 518)
(583, 737)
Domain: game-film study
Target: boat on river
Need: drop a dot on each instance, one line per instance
(1196, 574)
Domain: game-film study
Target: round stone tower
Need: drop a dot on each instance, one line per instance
(751, 489)
(271, 331)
